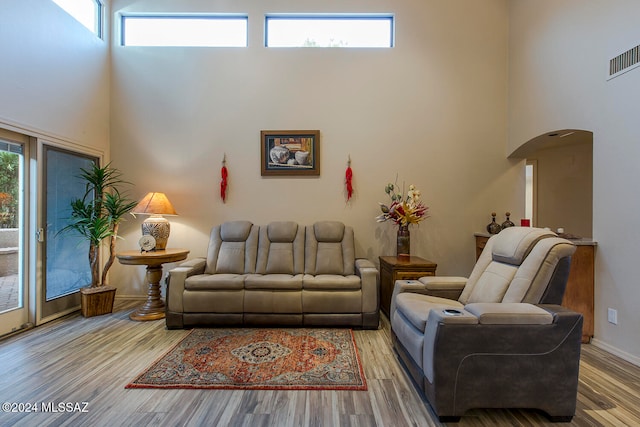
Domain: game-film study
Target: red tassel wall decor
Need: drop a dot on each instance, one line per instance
(348, 180)
(223, 183)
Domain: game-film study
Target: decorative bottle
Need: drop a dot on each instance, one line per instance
(507, 223)
(493, 227)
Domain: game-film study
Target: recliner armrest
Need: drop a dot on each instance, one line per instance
(452, 316)
(443, 282)
(444, 286)
(449, 287)
(176, 279)
(509, 314)
(432, 285)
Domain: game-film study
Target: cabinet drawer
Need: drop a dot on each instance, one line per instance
(412, 275)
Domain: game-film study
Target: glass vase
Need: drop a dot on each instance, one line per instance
(403, 247)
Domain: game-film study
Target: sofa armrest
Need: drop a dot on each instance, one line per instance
(509, 314)
(444, 286)
(437, 286)
(455, 344)
(176, 279)
(369, 278)
(493, 360)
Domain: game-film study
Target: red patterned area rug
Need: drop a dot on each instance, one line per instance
(259, 359)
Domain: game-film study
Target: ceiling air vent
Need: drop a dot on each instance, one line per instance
(624, 62)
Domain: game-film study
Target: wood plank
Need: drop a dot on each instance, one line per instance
(76, 359)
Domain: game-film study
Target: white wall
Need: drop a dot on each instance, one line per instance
(432, 110)
(54, 77)
(564, 181)
(559, 53)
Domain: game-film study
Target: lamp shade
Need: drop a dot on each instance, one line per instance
(154, 204)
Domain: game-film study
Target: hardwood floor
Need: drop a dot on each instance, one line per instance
(79, 360)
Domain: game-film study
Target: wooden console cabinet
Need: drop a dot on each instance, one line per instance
(580, 287)
(393, 268)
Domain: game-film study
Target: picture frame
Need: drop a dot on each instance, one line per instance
(290, 152)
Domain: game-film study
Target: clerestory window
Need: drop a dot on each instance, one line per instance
(204, 30)
(87, 12)
(329, 30)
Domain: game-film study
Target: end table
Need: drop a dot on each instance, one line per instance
(153, 308)
(400, 268)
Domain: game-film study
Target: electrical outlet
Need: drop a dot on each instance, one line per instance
(612, 316)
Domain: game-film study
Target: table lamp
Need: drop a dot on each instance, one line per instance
(156, 205)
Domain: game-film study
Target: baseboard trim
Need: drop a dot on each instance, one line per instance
(616, 351)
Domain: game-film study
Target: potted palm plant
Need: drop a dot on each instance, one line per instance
(96, 217)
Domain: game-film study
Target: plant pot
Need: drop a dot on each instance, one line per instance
(97, 301)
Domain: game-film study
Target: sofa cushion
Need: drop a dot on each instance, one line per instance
(498, 264)
(328, 231)
(515, 243)
(273, 281)
(283, 231)
(212, 282)
(280, 259)
(329, 258)
(329, 249)
(331, 282)
(493, 284)
(533, 277)
(232, 248)
(280, 249)
(271, 301)
(332, 301)
(235, 231)
(220, 301)
(231, 258)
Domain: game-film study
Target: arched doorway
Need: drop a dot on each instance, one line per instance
(560, 180)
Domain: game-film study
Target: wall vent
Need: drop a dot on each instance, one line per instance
(624, 62)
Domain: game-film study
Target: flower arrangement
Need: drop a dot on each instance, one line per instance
(403, 210)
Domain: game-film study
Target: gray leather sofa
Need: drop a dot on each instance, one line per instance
(498, 339)
(281, 274)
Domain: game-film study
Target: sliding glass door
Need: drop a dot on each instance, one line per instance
(14, 290)
(66, 262)
(41, 267)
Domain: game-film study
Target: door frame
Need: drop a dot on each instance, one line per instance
(20, 317)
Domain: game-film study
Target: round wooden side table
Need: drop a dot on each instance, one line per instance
(153, 308)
